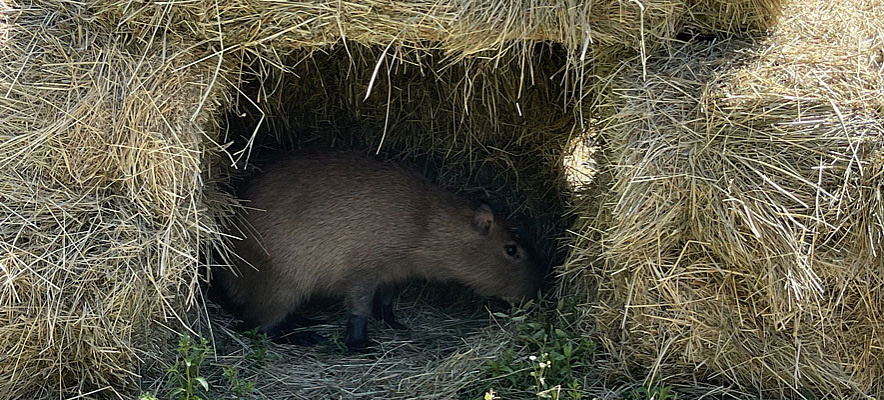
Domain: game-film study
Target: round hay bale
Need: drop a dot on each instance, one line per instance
(103, 208)
(741, 222)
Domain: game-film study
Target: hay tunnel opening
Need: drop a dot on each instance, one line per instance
(496, 128)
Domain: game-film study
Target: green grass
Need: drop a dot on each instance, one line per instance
(548, 361)
(192, 377)
(546, 357)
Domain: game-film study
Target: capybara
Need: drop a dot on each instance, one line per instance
(343, 225)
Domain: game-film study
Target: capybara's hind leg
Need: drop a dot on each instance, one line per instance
(383, 306)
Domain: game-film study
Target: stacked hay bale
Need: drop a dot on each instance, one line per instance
(111, 149)
(742, 227)
(103, 210)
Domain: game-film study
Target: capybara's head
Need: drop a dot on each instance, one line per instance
(494, 262)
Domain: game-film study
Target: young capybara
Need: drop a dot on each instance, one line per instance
(339, 224)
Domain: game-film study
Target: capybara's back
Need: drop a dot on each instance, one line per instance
(341, 224)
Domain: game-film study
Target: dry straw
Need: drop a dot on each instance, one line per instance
(110, 114)
(459, 26)
(102, 210)
(742, 230)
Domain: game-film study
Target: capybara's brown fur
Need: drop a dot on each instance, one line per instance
(345, 225)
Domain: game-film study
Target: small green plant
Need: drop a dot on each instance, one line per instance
(184, 375)
(191, 377)
(259, 353)
(549, 358)
(238, 387)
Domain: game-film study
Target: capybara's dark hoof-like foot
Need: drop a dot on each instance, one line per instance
(355, 342)
(356, 333)
(307, 338)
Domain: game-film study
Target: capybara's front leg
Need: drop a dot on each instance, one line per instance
(359, 303)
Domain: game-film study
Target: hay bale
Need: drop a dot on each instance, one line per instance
(463, 27)
(103, 208)
(742, 227)
(460, 26)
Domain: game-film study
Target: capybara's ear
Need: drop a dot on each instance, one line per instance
(483, 218)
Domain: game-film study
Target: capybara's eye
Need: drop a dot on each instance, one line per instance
(511, 250)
